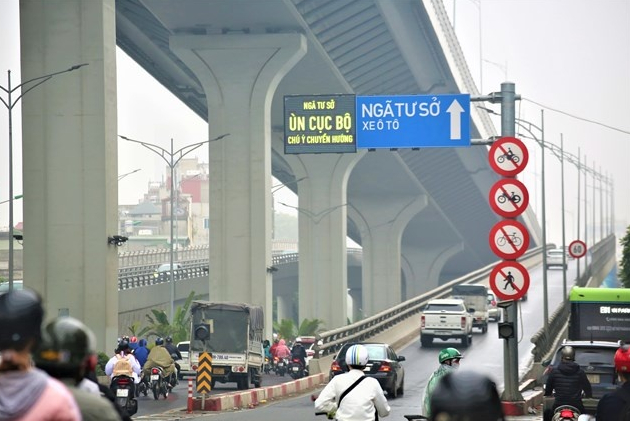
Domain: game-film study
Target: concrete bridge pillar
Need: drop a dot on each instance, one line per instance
(357, 304)
(381, 225)
(70, 160)
(322, 213)
(285, 307)
(239, 74)
(426, 265)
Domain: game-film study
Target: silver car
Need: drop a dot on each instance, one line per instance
(556, 257)
(494, 312)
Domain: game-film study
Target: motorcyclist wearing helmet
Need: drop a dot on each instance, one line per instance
(611, 405)
(67, 352)
(466, 396)
(361, 403)
(141, 352)
(174, 351)
(133, 343)
(449, 360)
(160, 357)
(298, 351)
(567, 382)
(124, 353)
(28, 393)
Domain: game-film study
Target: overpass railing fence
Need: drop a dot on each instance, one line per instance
(329, 342)
(138, 268)
(546, 340)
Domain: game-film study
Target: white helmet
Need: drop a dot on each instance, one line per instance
(357, 355)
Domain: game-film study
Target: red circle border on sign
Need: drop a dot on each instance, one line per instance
(508, 256)
(577, 256)
(518, 267)
(523, 203)
(495, 166)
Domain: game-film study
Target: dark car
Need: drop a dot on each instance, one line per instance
(383, 365)
(597, 360)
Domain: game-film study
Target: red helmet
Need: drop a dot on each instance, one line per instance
(622, 359)
(133, 339)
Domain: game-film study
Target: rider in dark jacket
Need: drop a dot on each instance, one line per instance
(568, 381)
(298, 351)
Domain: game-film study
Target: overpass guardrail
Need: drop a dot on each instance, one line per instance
(333, 340)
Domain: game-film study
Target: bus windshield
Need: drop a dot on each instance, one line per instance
(599, 314)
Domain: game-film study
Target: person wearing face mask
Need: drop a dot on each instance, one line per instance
(449, 360)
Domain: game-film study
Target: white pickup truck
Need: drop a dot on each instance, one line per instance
(446, 319)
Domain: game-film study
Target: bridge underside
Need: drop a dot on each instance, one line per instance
(424, 213)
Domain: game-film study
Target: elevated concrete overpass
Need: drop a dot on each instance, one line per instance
(420, 216)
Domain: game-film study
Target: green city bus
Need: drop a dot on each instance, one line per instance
(599, 314)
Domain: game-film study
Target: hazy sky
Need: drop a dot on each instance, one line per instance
(572, 56)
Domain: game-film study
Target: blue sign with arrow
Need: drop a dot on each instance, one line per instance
(413, 121)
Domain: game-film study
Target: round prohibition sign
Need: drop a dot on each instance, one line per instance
(508, 156)
(509, 280)
(509, 239)
(509, 197)
(577, 249)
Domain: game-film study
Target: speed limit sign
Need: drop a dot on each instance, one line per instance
(577, 249)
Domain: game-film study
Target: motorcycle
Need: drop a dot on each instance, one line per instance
(281, 366)
(295, 368)
(123, 388)
(565, 413)
(267, 366)
(143, 387)
(159, 383)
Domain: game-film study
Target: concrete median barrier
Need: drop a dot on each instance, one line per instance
(254, 397)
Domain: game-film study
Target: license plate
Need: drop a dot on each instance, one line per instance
(155, 377)
(593, 378)
(280, 364)
(294, 368)
(122, 393)
(218, 370)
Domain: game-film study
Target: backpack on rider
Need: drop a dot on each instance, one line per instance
(122, 367)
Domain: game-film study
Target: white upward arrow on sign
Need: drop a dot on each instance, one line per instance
(456, 110)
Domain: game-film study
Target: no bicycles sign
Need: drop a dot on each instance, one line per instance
(509, 239)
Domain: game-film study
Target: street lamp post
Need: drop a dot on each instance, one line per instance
(10, 103)
(527, 126)
(172, 158)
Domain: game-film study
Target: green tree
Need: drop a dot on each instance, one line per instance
(286, 328)
(310, 327)
(624, 271)
(159, 324)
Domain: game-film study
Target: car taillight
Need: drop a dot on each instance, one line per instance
(335, 367)
(463, 322)
(385, 366)
(422, 322)
(566, 413)
(123, 381)
(155, 371)
(296, 360)
(310, 353)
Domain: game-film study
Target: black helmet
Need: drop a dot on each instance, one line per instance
(123, 345)
(159, 341)
(21, 315)
(568, 353)
(466, 395)
(169, 339)
(66, 344)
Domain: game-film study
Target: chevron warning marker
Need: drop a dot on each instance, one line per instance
(204, 373)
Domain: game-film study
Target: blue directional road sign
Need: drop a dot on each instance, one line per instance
(413, 121)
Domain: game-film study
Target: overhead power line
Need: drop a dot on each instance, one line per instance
(578, 118)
